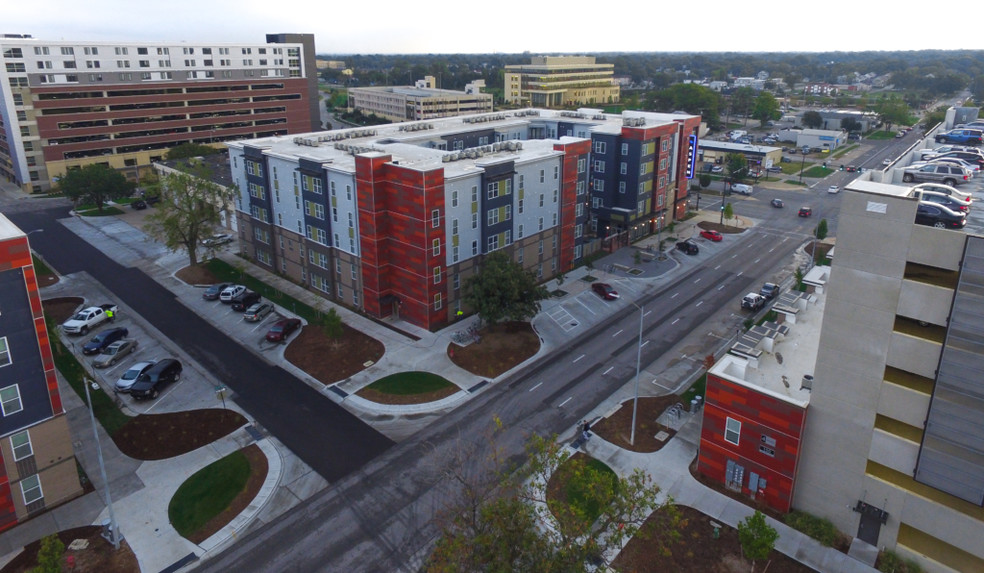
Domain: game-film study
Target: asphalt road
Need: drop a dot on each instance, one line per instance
(321, 433)
(386, 516)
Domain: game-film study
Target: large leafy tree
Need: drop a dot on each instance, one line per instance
(766, 107)
(742, 100)
(893, 111)
(499, 521)
(736, 166)
(502, 290)
(189, 150)
(189, 209)
(812, 119)
(95, 183)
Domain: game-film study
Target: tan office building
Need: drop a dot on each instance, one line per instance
(561, 81)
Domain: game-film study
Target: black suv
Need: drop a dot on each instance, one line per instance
(245, 300)
(104, 339)
(688, 247)
(151, 382)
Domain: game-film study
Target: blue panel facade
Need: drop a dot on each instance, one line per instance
(25, 368)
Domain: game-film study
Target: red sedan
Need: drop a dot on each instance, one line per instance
(605, 291)
(282, 329)
(711, 235)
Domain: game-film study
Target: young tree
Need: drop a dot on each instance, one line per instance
(757, 537)
(849, 124)
(332, 324)
(741, 100)
(704, 180)
(95, 183)
(821, 230)
(50, 555)
(737, 167)
(189, 210)
(729, 212)
(502, 290)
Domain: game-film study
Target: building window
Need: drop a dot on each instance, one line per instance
(21, 444)
(454, 198)
(541, 175)
(493, 243)
(582, 164)
(556, 172)
(474, 248)
(436, 218)
(474, 220)
(4, 352)
(599, 147)
(732, 431)
(623, 168)
(436, 247)
(541, 199)
(10, 401)
(437, 275)
(438, 303)
(599, 166)
(31, 488)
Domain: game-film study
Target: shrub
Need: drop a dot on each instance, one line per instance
(891, 562)
(816, 527)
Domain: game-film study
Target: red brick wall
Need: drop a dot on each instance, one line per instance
(568, 200)
(760, 414)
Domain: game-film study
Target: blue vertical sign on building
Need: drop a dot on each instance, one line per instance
(691, 156)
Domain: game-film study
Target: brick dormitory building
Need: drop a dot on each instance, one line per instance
(391, 220)
(66, 104)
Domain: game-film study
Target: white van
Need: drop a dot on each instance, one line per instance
(741, 188)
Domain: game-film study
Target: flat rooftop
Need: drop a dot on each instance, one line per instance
(416, 144)
(8, 230)
(779, 372)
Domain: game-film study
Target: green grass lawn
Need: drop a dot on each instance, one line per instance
(881, 135)
(696, 389)
(39, 267)
(107, 211)
(817, 171)
(404, 383)
(226, 272)
(207, 493)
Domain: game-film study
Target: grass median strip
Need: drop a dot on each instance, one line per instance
(228, 273)
(403, 383)
(208, 493)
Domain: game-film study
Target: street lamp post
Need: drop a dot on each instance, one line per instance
(802, 166)
(635, 401)
(114, 531)
(722, 211)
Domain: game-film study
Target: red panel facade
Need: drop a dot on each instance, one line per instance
(398, 228)
(691, 126)
(568, 199)
(763, 462)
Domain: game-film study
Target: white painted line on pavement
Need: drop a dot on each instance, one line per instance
(585, 306)
(772, 249)
(648, 312)
(717, 267)
(565, 401)
(610, 368)
(674, 295)
(578, 358)
(757, 260)
(538, 384)
(721, 287)
(697, 281)
(676, 320)
(616, 334)
(643, 344)
(699, 303)
(739, 274)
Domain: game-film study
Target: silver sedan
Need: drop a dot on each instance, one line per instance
(114, 353)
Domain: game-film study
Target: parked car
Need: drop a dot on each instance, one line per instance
(939, 216)
(688, 247)
(963, 135)
(753, 301)
(100, 341)
(974, 168)
(805, 212)
(213, 292)
(138, 205)
(605, 291)
(131, 375)
(742, 188)
(944, 173)
(886, 162)
(245, 300)
(711, 235)
(774, 169)
(217, 240)
(114, 353)
(952, 203)
(945, 189)
(258, 311)
(974, 157)
(283, 327)
(89, 318)
(777, 203)
(231, 292)
(833, 189)
(717, 169)
(769, 290)
(150, 383)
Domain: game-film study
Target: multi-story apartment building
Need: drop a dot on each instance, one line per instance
(421, 101)
(38, 469)
(65, 104)
(892, 449)
(393, 219)
(561, 81)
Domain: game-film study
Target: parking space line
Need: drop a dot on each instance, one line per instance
(610, 368)
(675, 295)
(675, 320)
(565, 401)
(699, 303)
(585, 306)
(538, 384)
(616, 334)
(578, 358)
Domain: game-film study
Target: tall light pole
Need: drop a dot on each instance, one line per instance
(635, 401)
(802, 165)
(114, 531)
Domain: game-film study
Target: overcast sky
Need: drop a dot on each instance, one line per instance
(505, 26)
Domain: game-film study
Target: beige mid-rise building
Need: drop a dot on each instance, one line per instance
(561, 81)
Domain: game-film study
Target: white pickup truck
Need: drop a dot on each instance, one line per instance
(89, 318)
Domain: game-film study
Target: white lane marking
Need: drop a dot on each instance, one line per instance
(616, 334)
(565, 401)
(538, 384)
(610, 368)
(643, 344)
(578, 358)
(648, 312)
(674, 295)
(697, 281)
(717, 267)
(772, 249)
(721, 287)
(675, 321)
(739, 274)
(756, 260)
(699, 303)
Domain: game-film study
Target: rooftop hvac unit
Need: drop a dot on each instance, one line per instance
(807, 383)
(445, 158)
(519, 146)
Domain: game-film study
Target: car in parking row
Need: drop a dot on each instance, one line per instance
(285, 326)
(946, 190)
(231, 292)
(257, 311)
(150, 384)
(245, 300)
(97, 343)
(939, 216)
(604, 290)
(213, 292)
(130, 376)
(945, 173)
(114, 353)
